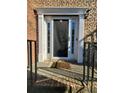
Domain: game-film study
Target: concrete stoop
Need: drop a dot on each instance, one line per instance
(50, 67)
(75, 84)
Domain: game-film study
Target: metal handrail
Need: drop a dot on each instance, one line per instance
(29, 46)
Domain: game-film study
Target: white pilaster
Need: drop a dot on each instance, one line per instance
(40, 29)
(52, 33)
(80, 39)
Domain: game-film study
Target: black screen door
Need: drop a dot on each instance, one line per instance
(60, 38)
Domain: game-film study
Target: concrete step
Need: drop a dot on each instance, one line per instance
(60, 78)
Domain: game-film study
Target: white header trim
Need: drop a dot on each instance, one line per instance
(61, 11)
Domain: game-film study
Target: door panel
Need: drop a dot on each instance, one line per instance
(60, 38)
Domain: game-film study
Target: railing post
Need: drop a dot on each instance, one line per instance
(35, 61)
(88, 62)
(84, 59)
(28, 56)
(70, 89)
(92, 71)
(30, 47)
(92, 57)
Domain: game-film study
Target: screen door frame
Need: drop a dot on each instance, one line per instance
(69, 37)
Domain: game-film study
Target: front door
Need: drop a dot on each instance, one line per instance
(60, 38)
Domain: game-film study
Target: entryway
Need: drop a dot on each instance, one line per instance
(60, 32)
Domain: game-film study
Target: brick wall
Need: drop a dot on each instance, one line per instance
(31, 22)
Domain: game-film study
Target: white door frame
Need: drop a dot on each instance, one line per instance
(71, 56)
(59, 11)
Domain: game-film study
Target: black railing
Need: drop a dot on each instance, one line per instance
(90, 60)
(30, 49)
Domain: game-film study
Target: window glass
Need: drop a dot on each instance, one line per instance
(72, 34)
(48, 37)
